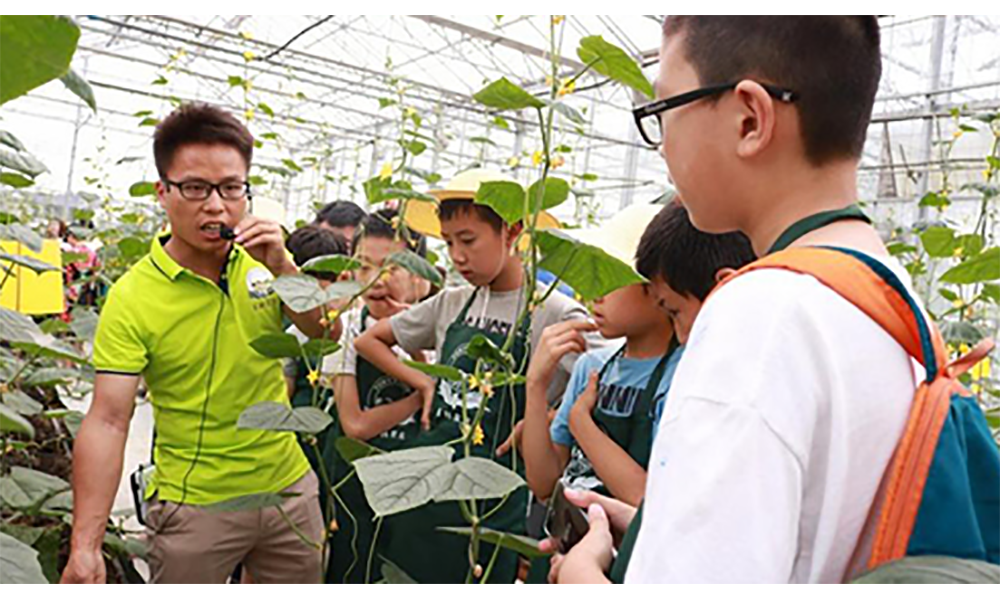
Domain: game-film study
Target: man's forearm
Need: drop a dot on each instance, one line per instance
(98, 454)
(370, 423)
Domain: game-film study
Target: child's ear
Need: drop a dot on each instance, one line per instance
(512, 232)
(723, 273)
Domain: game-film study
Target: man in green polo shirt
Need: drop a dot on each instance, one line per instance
(183, 319)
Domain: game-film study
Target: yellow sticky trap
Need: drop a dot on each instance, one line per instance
(33, 293)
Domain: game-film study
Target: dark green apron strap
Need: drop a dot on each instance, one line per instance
(817, 221)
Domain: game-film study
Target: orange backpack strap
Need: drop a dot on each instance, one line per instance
(870, 286)
(877, 291)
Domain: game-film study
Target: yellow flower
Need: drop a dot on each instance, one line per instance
(247, 84)
(513, 162)
(957, 134)
(246, 35)
(964, 349)
(557, 19)
(558, 162)
(248, 56)
(958, 252)
(568, 87)
(409, 111)
(333, 315)
(537, 157)
(478, 437)
(483, 385)
(975, 388)
(248, 114)
(313, 377)
(386, 171)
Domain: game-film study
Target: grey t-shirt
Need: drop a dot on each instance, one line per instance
(424, 326)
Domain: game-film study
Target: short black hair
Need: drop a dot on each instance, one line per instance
(832, 63)
(685, 258)
(311, 241)
(382, 224)
(455, 207)
(199, 123)
(341, 214)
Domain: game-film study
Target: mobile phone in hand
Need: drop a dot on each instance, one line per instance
(564, 521)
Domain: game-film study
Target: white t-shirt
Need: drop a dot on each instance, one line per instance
(345, 360)
(781, 420)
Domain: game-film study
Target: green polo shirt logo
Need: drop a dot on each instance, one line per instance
(190, 338)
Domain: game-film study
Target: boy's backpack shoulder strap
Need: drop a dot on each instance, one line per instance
(871, 287)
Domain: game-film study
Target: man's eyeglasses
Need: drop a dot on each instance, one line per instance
(647, 116)
(197, 190)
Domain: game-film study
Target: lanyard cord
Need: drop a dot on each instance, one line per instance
(817, 221)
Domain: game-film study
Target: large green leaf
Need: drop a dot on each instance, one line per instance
(51, 375)
(569, 112)
(81, 87)
(418, 265)
(140, 189)
(556, 192)
(504, 95)
(983, 267)
(23, 234)
(18, 561)
(525, 546)
(22, 403)
(351, 449)
(611, 61)
(15, 327)
(277, 345)
(932, 569)
(10, 140)
(316, 349)
(303, 293)
(403, 480)
(591, 272)
(36, 50)
(24, 488)
(334, 263)
(435, 370)
(274, 416)
(11, 422)
(475, 478)
(50, 347)
(16, 180)
(939, 242)
(957, 332)
(393, 575)
(23, 533)
(483, 348)
(22, 162)
(507, 198)
(84, 322)
(27, 262)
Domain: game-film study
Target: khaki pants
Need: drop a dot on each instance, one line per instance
(188, 544)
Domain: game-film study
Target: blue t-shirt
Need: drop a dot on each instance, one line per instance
(624, 373)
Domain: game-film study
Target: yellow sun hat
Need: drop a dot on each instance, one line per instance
(619, 236)
(422, 216)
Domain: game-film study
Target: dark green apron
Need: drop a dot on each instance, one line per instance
(789, 237)
(630, 427)
(350, 554)
(412, 540)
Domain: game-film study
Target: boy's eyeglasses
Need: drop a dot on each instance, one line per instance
(647, 116)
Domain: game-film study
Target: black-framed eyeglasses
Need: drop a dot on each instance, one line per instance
(648, 116)
(197, 190)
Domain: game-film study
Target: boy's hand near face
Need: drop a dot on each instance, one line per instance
(583, 410)
(556, 342)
